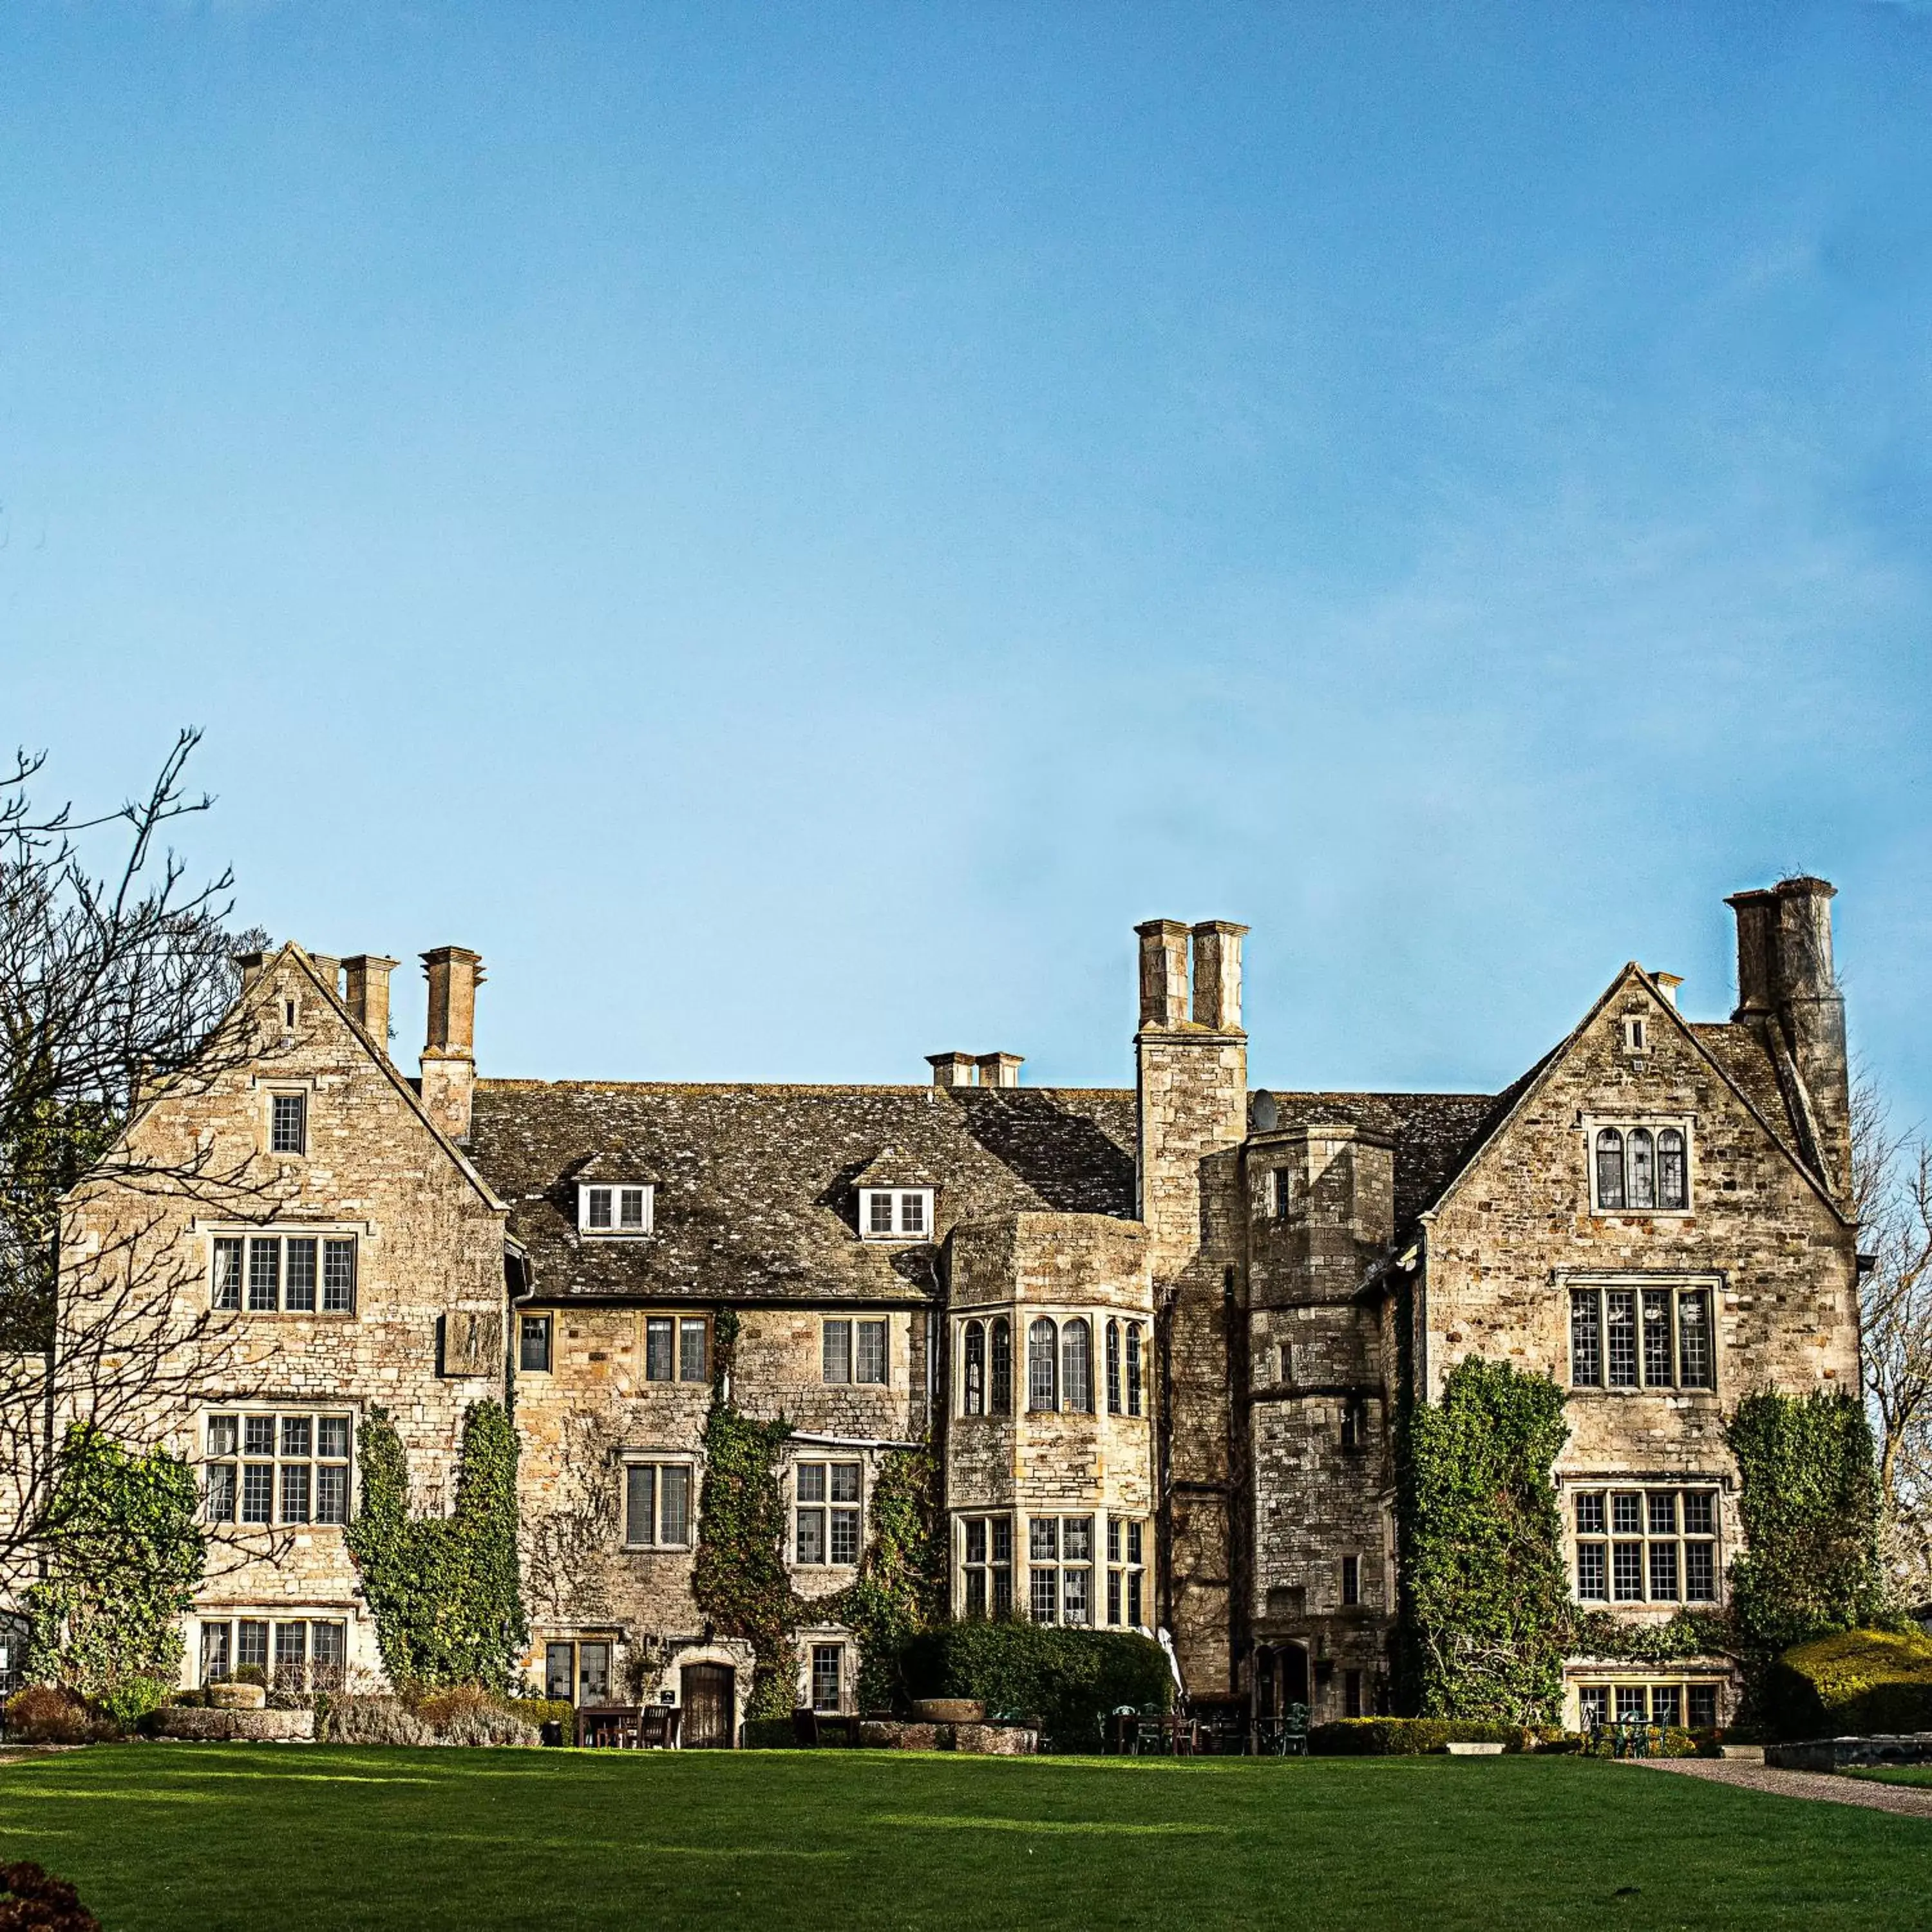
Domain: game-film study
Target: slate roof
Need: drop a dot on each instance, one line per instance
(757, 1186)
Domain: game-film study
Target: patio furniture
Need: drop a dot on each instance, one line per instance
(608, 1726)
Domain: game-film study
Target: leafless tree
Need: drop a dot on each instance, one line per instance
(1891, 1183)
(114, 983)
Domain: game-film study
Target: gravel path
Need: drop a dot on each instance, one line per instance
(1908, 1800)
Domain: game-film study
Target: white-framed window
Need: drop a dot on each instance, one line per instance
(1646, 1546)
(855, 1350)
(1638, 1166)
(828, 1503)
(1636, 1334)
(288, 1122)
(987, 1565)
(533, 1344)
(291, 1653)
(1126, 1552)
(610, 1210)
(268, 1272)
(1060, 1569)
(657, 1504)
(286, 1467)
(677, 1349)
(896, 1213)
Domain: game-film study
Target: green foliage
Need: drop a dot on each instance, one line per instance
(444, 1590)
(900, 1591)
(1689, 1634)
(1809, 1498)
(770, 1734)
(128, 1701)
(124, 1554)
(1416, 1737)
(1486, 1599)
(1853, 1683)
(739, 1580)
(1068, 1678)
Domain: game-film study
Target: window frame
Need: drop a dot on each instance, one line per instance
(528, 1325)
(1055, 1562)
(1655, 1129)
(658, 1543)
(1608, 1692)
(1602, 1310)
(616, 1228)
(973, 1390)
(993, 1597)
(826, 1510)
(910, 1216)
(1606, 1542)
(576, 1645)
(680, 1323)
(311, 1674)
(851, 1351)
(1127, 1547)
(235, 1294)
(279, 1097)
(226, 1471)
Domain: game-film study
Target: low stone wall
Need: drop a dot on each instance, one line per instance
(1839, 1754)
(981, 1740)
(186, 1722)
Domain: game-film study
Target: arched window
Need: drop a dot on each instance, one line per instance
(1133, 1368)
(1042, 1366)
(1641, 1169)
(1076, 1356)
(1002, 1367)
(1671, 1191)
(975, 1368)
(1610, 1168)
(1113, 1368)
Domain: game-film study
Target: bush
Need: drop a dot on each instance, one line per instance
(539, 1711)
(769, 1734)
(375, 1721)
(468, 1715)
(127, 1702)
(45, 1714)
(1069, 1679)
(1415, 1737)
(33, 1900)
(1665, 1740)
(1855, 1683)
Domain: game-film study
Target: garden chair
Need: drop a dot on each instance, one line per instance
(1291, 1741)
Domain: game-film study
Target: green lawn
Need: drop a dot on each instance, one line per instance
(1896, 1774)
(213, 1838)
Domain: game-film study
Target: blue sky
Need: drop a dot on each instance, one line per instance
(790, 528)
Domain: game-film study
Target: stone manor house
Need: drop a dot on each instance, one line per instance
(1158, 1333)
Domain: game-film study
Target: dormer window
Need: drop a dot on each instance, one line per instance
(896, 1213)
(607, 1210)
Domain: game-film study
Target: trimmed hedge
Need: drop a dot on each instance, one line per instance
(1415, 1737)
(1070, 1679)
(1856, 1683)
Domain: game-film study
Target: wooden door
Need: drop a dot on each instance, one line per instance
(710, 1706)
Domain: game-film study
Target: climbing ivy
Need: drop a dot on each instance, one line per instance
(901, 1590)
(124, 1555)
(1689, 1634)
(1808, 1494)
(1485, 1600)
(444, 1590)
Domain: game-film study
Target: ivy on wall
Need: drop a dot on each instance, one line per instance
(123, 1558)
(900, 1591)
(1808, 1494)
(444, 1590)
(1486, 1608)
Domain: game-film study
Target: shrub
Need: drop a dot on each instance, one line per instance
(130, 1700)
(1415, 1737)
(33, 1900)
(1068, 1678)
(539, 1711)
(45, 1714)
(375, 1721)
(1665, 1740)
(1856, 1682)
(769, 1734)
(467, 1715)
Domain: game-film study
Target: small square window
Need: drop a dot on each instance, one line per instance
(288, 1123)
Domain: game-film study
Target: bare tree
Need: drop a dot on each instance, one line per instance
(1891, 1187)
(115, 984)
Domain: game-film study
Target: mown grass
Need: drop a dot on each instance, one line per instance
(210, 1838)
(1895, 1774)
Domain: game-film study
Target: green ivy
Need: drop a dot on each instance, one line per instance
(123, 1557)
(1689, 1634)
(1808, 1495)
(1485, 1596)
(444, 1590)
(900, 1591)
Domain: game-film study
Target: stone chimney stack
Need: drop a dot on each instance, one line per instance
(951, 1069)
(1788, 991)
(1163, 975)
(250, 964)
(1000, 1069)
(449, 1055)
(366, 976)
(1217, 975)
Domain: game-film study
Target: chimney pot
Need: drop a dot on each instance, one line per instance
(1000, 1069)
(366, 989)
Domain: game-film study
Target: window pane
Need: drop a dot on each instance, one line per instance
(1660, 1512)
(1700, 1572)
(1113, 1596)
(1351, 1579)
(286, 1131)
(291, 1646)
(1627, 1514)
(837, 1352)
(258, 1434)
(1133, 1542)
(258, 1491)
(845, 1544)
(1699, 1512)
(1003, 1592)
(844, 1480)
(331, 1493)
(1702, 1715)
(912, 1214)
(812, 1482)
(1043, 1538)
(871, 1340)
(1590, 1513)
(1133, 1368)
(559, 1667)
(692, 1364)
(976, 1540)
(1633, 1707)
(826, 1661)
(1074, 1586)
(1586, 1338)
(1591, 1583)
(1627, 1572)
(1042, 1368)
(1076, 1538)
(297, 1431)
(1284, 1192)
(1663, 1572)
(1671, 1191)
(879, 1214)
(220, 1493)
(975, 1593)
(221, 1435)
(1113, 1368)
(1620, 1304)
(534, 1352)
(597, 1203)
(1046, 1596)
(1593, 1703)
(593, 1672)
(811, 1536)
(1113, 1539)
(1610, 1168)
(328, 1652)
(215, 1641)
(640, 1504)
(975, 1368)
(630, 1208)
(674, 1504)
(227, 1273)
(332, 1435)
(1665, 1708)
(295, 1493)
(1076, 1348)
(1693, 1338)
(1641, 1170)
(338, 1277)
(251, 1644)
(1657, 1338)
(658, 1366)
(1134, 1616)
(1002, 1539)
(264, 1275)
(1003, 1368)
(298, 1287)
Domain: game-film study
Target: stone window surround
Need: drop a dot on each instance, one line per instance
(227, 1617)
(1685, 1123)
(266, 1087)
(359, 1233)
(1641, 1484)
(827, 1458)
(527, 1325)
(1632, 1680)
(1712, 1282)
(1111, 1529)
(825, 1646)
(211, 1459)
(660, 1459)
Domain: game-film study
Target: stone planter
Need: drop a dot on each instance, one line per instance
(183, 1721)
(237, 1697)
(1474, 1750)
(996, 1740)
(950, 1711)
